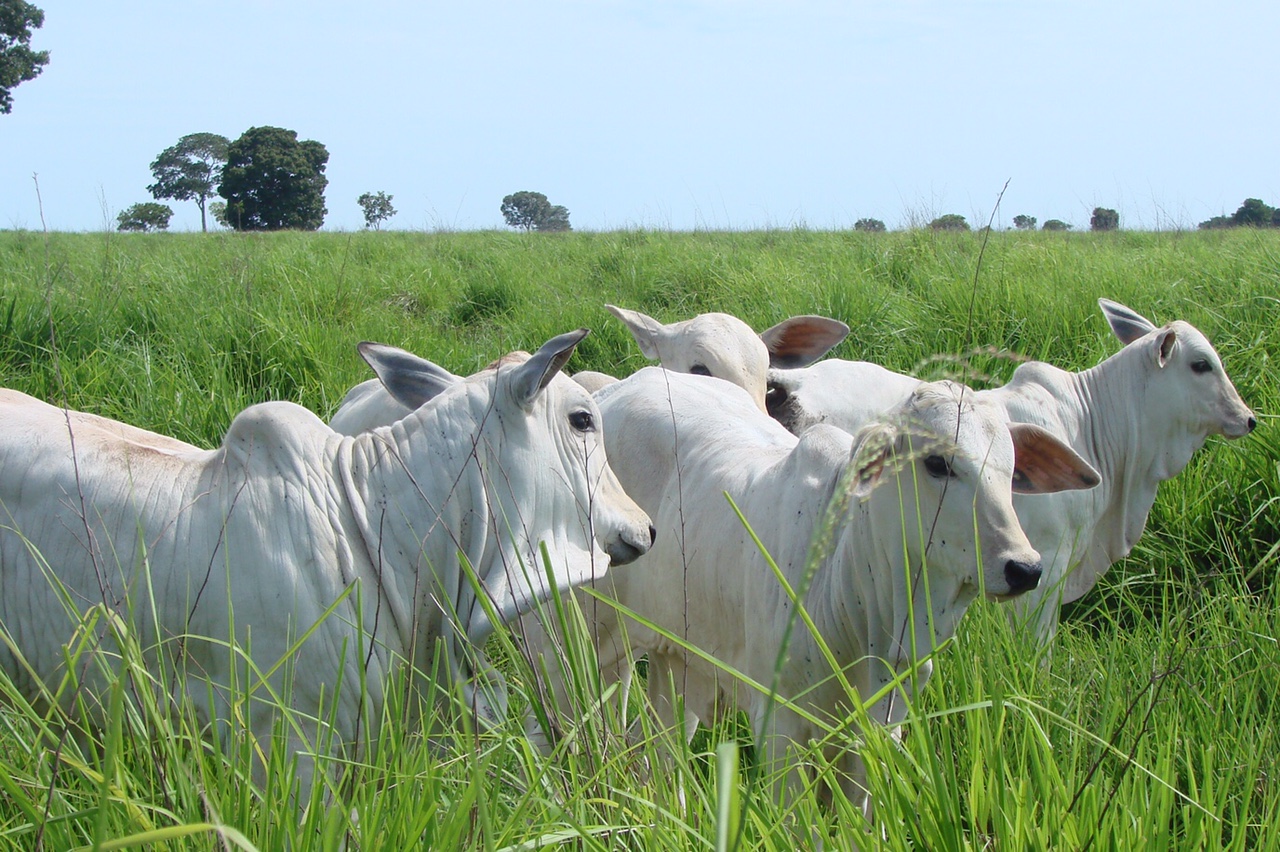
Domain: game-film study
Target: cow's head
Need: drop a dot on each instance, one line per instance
(940, 475)
(546, 441)
(1188, 393)
(725, 347)
(536, 437)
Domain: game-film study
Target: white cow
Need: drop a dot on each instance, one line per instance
(1137, 417)
(713, 344)
(256, 540)
(723, 346)
(922, 483)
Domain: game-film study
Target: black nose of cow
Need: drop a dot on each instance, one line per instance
(1253, 422)
(1020, 576)
(622, 551)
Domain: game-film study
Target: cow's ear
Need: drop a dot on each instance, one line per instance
(647, 331)
(1042, 464)
(410, 380)
(1164, 346)
(527, 380)
(872, 454)
(799, 341)
(1126, 324)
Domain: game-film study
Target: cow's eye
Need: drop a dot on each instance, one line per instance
(938, 466)
(1201, 366)
(582, 421)
(700, 370)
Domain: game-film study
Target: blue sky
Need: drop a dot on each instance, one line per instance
(663, 114)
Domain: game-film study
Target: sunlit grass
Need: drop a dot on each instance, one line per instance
(1151, 725)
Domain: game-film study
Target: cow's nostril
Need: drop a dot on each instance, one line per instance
(1253, 421)
(1021, 576)
(653, 535)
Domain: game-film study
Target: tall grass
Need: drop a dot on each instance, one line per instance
(1152, 724)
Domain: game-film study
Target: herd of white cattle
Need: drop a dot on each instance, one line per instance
(312, 563)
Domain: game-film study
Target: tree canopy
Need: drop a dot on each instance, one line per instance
(190, 170)
(949, 222)
(1024, 223)
(272, 181)
(531, 211)
(1055, 225)
(377, 208)
(868, 224)
(1104, 219)
(18, 62)
(147, 216)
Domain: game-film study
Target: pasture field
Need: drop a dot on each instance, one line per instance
(1154, 724)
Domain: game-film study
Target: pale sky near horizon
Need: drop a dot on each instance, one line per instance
(668, 114)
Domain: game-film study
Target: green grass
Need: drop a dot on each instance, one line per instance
(1152, 725)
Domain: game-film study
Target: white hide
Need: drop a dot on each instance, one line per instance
(680, 442)
(723, 346)
(1137, 418)
(255, 540)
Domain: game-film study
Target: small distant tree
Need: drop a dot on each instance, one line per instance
(874, 226)
(1024, 223)
(377, 209)
(147, 216)
(1254, 213)
(531, 211)
(1104, 219)
(218, 210)
(190, 170)
(949, 222)
(272, 181)
(18, 62)
(1055, 225)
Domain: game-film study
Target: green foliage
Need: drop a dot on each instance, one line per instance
(272, 181)
(1055, 225)
(18, 62)
(1217, 223)
(376, 208)
(949, 222)
(189, 170)
(1116, 741)
(1024, 223)
(1104, 219)
(531, 211)
(218, 210)
(874, 226)
(146, 216)
(1253, 213)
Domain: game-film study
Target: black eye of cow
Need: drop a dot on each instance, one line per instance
(1201, 366)
(582, 421)
(938, 466)
(699, 370)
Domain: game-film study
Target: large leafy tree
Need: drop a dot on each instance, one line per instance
(18, 62)
(272, 181)
(531, 211)
(190, 170)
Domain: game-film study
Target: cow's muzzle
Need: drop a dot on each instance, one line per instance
(624, 549)
(1021, 576)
